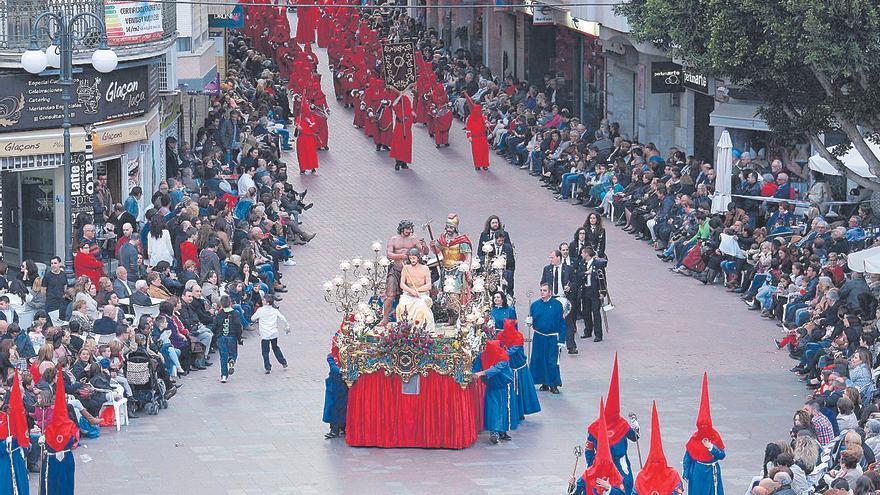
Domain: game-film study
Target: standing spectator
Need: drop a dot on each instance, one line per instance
(133, 202)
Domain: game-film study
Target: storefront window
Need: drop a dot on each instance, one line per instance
(593, 82)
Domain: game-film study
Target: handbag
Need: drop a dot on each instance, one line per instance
(693, 261)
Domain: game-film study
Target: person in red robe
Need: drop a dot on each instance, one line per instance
(441, 115)
(360, 113)
(384, 117)
(14, 430)
(401, 142)
(306, 21)
(325, 25)
(372, 97)
(61, 436)
(477, 135)
(307, 141)
(657, 476)
(423, 87)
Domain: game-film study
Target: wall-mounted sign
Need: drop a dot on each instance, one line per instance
(232, 20)
(665, 78)
(133, 22)
(32, 102)
(542, 15)
(82, 181)
(695, 81)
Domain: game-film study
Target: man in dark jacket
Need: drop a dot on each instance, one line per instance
(852, 289)
(228, 135)
(190, 319)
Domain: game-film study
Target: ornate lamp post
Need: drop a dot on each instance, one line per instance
(65, 30)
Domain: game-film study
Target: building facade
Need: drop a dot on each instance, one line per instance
(116, 119)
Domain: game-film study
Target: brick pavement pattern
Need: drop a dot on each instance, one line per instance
(262, 434)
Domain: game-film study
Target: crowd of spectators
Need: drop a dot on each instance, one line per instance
(788, 263)
(161, 277)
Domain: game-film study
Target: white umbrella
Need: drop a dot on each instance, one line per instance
(858, 261)
(723, 172)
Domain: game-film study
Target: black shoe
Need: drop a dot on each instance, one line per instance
(597, 339)
(493, 437)
(554, 390)
(231, 366)
(505, 436)
(330, 435)
(797, 369)
(208, 363)
(268, 371)
(573, 351)
(585, 336)
(397, 166)
(544, 388)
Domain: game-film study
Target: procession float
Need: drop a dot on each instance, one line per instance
(408, 359)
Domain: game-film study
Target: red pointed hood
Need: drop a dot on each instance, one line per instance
(334, 349)
(475, 122)
(493, 354)
(510, 336)
(656, 476)
(705, 429)
(617, 426)
(14, 422)
(61, 430)
(603, 465)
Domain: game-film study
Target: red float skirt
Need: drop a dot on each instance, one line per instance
(442, 416)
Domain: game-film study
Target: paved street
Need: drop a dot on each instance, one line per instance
(262, 434)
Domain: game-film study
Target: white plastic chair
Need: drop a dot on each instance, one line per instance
(120, 411)
(144, 310)
(55, 316)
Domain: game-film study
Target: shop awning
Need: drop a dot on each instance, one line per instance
(42, 142)
(852, 160)
(735, 115)
(126, 131)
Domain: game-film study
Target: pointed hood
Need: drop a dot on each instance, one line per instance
(656, 476)
(603, 465)
(14, 422)
(61, 430)
(476, 122)
(617, 426)
(705, 429)
(492, 355)
(510, 336)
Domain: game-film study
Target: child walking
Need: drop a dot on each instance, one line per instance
(227, 326)
(269, 321)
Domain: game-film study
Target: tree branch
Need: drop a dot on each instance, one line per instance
(839, 166)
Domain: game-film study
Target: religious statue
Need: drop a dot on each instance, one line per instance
(415, 297)
(454, 250)
(397, 248)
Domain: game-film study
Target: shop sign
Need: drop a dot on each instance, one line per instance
(33, 102)
(130, 23)
(82, 181)
(542, 15)
(232, 20)
(666, 78)
(28, 143)
(695, 81)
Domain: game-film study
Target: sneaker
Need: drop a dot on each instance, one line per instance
(222, 379)
(289, 262)
(268, 371)
(231, 365)
(284, 365)
(493, 437)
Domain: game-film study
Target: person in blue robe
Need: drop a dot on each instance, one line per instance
(601, 477)
(620, 433)
(549, 337)
(703, 451)
(580, 488)
(512, 340)
(13, 468)
(59, 438)
(501, 311)
(335, 396)
(500, 407)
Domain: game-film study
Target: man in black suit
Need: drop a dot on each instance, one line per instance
(140, 295)
(562, 280)
(591, 302)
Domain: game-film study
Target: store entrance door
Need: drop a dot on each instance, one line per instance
(28, 216)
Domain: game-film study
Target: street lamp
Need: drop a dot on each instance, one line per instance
(61, 28)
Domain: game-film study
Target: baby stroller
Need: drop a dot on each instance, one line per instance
(147, 390)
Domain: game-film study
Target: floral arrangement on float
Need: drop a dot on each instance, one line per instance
(403, 347)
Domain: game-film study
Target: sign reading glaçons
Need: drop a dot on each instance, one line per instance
(32, 102)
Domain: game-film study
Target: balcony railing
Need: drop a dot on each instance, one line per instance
(17, 17)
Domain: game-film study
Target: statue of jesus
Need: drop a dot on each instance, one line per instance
(415, 298)
(396, 251)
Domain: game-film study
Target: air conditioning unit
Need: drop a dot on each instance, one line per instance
(168, 73)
